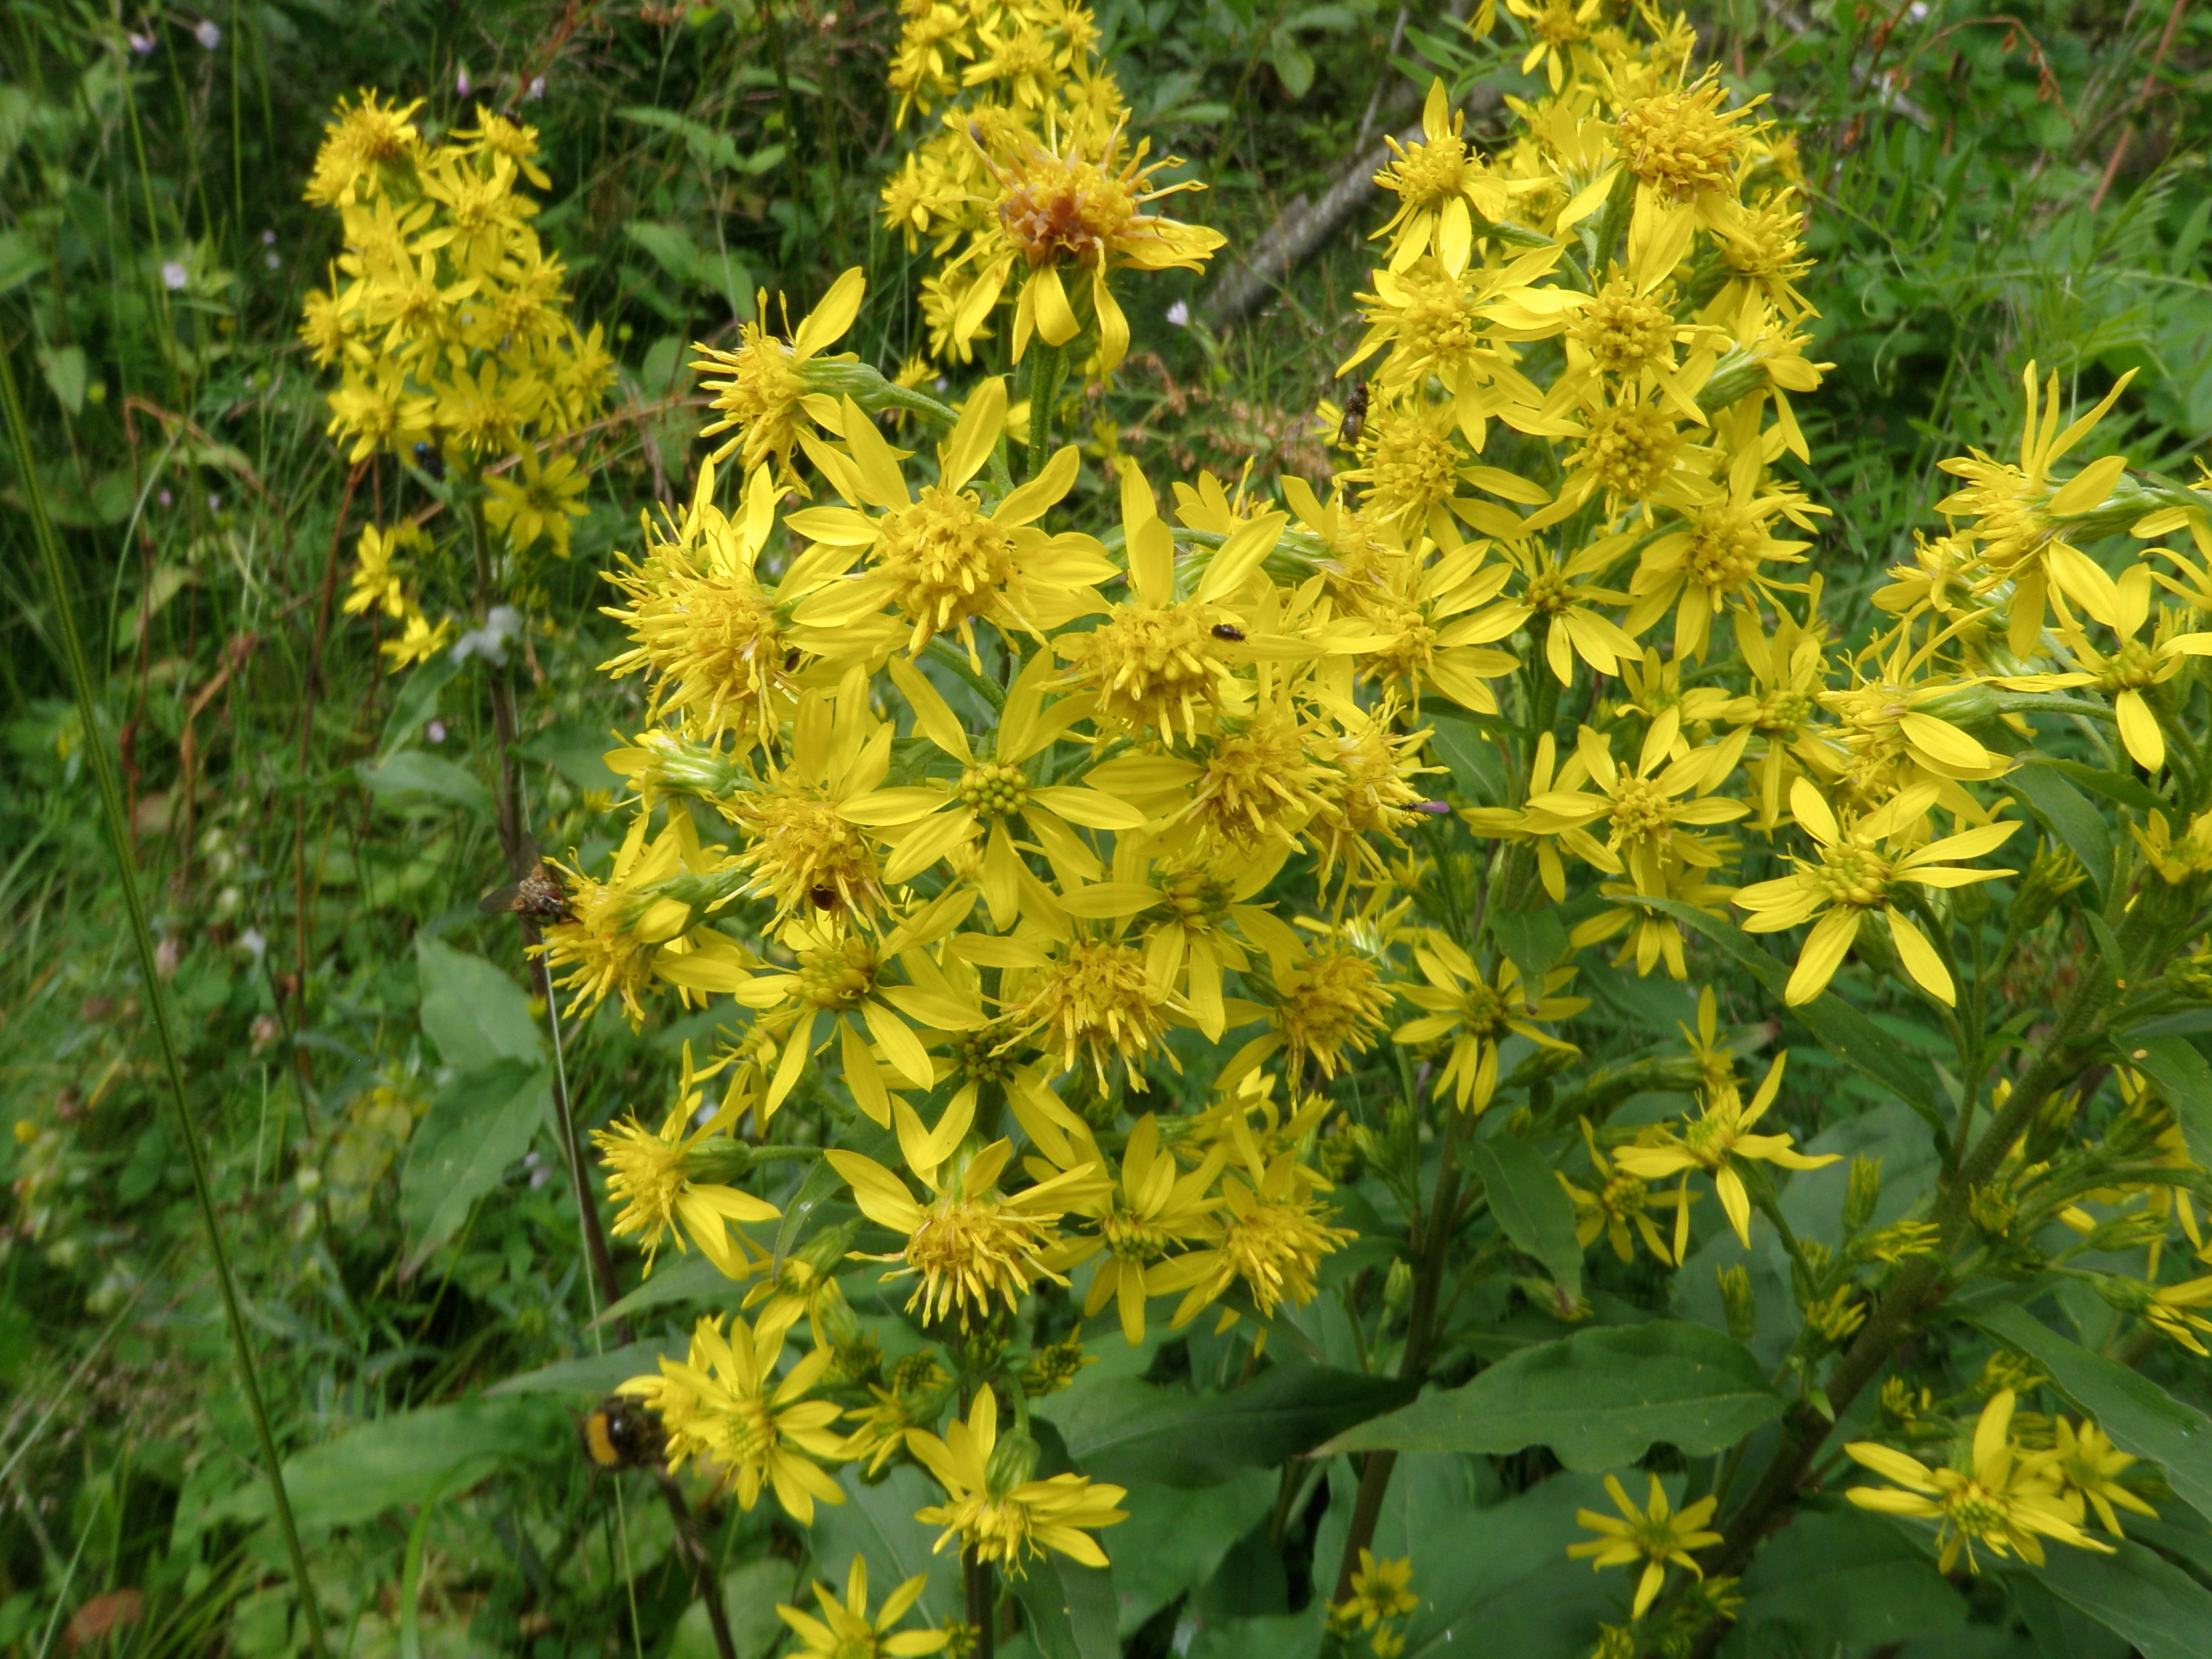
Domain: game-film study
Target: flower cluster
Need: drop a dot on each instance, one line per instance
(1073, 865)
(447, 326)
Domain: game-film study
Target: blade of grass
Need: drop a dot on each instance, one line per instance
(118, 836)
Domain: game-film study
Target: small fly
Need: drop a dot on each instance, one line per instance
(1355, 417)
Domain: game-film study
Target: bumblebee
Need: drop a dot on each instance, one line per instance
(620, 1433)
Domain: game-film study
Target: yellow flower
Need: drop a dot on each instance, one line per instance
(1443, 188)
(1683, 149)
(541, 505)
(1057, 210)
(1854, 874)
(2015, 509)
(2131, 670)
(1713, 1141)
(1640, 809)
(802, 849)
(764, 398)
(379, 571)
(647, 1175)
(1620, 1202)
(1155, 1209)
(994, 1507)
(971, 1243)
(1379, 1592)
(612, 938)
(722, 1405)
(1476, 1013)
(845, 1632)
(419, 642)
(2002, 1499)
(2088, 1467)
(358, 144)
(939, 560)
(1654, 1534)
(1274, 1233)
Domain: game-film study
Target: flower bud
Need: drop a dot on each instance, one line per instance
(1012, 1460)
(1397, 1290)
(2054, 873)
(1962, 705)
(1737, 1301)
(1861, 1194)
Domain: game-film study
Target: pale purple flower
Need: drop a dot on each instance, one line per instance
(207, 33)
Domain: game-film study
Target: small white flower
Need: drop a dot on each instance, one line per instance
(253, 942)
(140, 43)
(173, 274)
(207, 33)
(269, 239)
(490, 641)
(1179, 314)
(215, 503)
(536, 88)
(271, 261)
(435, 731)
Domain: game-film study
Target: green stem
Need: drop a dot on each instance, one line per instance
(1046, 363)
(939, 650)
(119, 834)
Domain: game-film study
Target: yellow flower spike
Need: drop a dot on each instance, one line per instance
(1654, 1534)
(764, 398)
(1854, 874)
(1713, 1141)
(970, 1244)
(996, 1511)
(2002, 1499)
(845, 1630)
(723, 1406)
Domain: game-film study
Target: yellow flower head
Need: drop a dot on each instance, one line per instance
(764, 398)
(1654, 1535)
(2002, 1499)
(846, 1632)
(723, 1404)
(994, 1508)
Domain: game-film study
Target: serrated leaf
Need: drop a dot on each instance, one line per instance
(2141, 1417)
(1129, 1431)
(1836, 1026)
(1534, 939)
(1599, 1398)
(591, 1373)
(1533, 1208)
(690, 1278)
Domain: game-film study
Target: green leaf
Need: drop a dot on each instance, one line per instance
(2136, 1594)
(2076, 823)
(1175, 1538)
(2178, 1066)
(66, 375)
(411, 775)
(577, 750)
(1072, 1608)
(1534, 939)
(417, 700)
(591, 1373)
(21, 259)
(1599, 1398)
(1840, 1029)
(1843, 1578)
(671, 249)
(688, 1278)
(400, 1460)
(821, 1184)
(1501, 1577)
(750, 1593)
(1472, 759)
(1294, 66)
(876, 1520)
(478, 1125)
(472, 1010)
(2141, 1417)
(1129, 1432)
(1533, 1207)
(2112, 786)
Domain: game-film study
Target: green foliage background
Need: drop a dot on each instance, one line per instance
(1983, 192)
